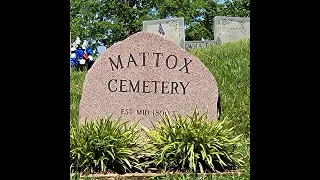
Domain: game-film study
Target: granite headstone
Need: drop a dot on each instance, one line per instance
(172, 28)
(199, 44)
(229, 29)
(144, 76)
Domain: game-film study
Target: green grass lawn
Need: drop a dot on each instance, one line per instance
(230, 65)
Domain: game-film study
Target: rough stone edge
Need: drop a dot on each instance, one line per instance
(148, 175)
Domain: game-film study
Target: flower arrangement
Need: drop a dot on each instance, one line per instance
(81, 55)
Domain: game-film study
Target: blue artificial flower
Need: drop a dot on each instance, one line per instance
(73, 61)
(88, 51)
(79, 53)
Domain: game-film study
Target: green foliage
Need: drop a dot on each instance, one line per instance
(76, 82)
(104, 146)
(187, 9)
(236, 8)
(197, 31)
(110, 21)
(229, 64)
(193, 144)
(96, 19)
(210, 9)
(87, 22)
(195, 14)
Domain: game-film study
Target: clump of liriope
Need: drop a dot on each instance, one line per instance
(193, 144)
(104, 146)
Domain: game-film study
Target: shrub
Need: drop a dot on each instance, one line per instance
(193, 144)
(104, 146)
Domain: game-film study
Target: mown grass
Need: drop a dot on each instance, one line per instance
(230, 65)
(76, 82)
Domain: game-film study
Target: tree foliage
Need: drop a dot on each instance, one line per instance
(110, 21)
(237, 8)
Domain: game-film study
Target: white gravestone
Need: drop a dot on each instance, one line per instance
(172, 29)
(229, 29)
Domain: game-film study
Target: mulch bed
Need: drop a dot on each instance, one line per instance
(149, 175)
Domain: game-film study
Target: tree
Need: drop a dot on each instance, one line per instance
(211, 9)
(110, 21)
(237, 8)
(107, 21)
(196, 31)
(87, 22)
(188, 9)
